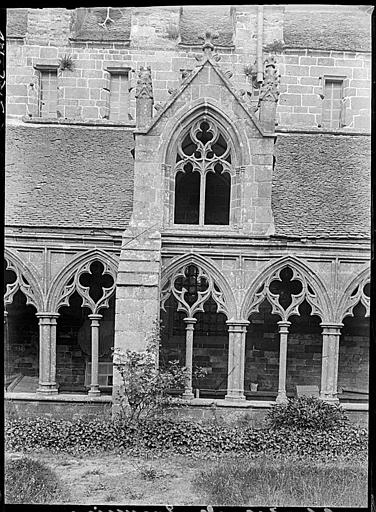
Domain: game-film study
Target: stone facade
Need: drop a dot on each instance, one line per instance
(289, 122)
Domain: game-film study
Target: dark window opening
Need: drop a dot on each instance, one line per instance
(217, 197)
(187, 196)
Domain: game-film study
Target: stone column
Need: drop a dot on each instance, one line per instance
(189, 329)
(330, 359)
(236, 359)
(6, 351)
(47, 353)
(94, 386)
(283, 334)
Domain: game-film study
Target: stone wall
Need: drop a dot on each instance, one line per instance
(301, 100)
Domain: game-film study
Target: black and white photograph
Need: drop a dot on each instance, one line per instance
(187, 256)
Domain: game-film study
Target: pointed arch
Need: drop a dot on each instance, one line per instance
(208, 266)
(56, 290)
(321, 305)
(193, 111)
(352, 295)
(31, 289)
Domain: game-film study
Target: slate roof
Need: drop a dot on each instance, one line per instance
(321, 185)
(68, 176)
(339, 29)
(195, 21)
(83, 177)
(86, 26)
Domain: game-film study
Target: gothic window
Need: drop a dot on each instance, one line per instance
(203, 176)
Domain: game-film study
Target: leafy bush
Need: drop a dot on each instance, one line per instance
(306, 413)
(145, 383)
(179, 436)
(30, 481)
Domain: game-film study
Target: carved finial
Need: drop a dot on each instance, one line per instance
(269, 88)
(144, 88)
(208, 45)
(229, 74)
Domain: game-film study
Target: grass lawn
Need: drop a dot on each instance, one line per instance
(183, 480)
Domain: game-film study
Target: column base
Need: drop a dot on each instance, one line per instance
(188, 395)
(94, 392)
(281, 398)
(330, 399)
(235, 396)
(47, 389)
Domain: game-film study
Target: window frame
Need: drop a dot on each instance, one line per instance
(43, 69)
(118, 71)
(334, 78)
(234, 174)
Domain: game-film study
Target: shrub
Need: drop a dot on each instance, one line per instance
(30, 481)
(306, 413)
(145, 383)
(178, 436)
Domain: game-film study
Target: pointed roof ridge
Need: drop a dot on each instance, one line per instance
(206, 59)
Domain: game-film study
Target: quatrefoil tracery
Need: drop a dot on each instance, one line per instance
(16, 281)
(203, 150)
(287, 306)
(361, 293)
(192, 287)
(95, 296)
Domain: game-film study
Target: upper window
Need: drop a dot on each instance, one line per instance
(119, 93)
(202, 176)
(48, 93)
(332, 116)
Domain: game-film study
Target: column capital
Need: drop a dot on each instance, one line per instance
(95, 316)
(47, 314)
(284, 326)
(240, 324)
(190, 320)
(331, 328)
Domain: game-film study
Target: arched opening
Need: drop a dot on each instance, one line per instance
(190, 290)
(74, 344)
(353, 366)
(203, 176)
(73, 347)
(304, 355)
(262, 354)
(21, 346)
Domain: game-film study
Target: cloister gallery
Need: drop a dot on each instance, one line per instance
(211, 180)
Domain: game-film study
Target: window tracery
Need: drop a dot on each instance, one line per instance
(285, 290)
(203, 171)
(14, 281)
(192, 287)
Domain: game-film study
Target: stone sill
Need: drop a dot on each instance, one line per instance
(325, 131)
(36, 397)
(79, 122)
(195, 402)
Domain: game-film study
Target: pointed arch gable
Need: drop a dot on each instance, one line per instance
(67, 272)
(33, 291)
(207, 265)
(294, 263)
(347, 302)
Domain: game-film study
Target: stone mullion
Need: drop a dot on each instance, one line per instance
(236, 359)
(94, 385)
(330, 360)
(189, 330)
(283, 335)
(47, 353)
(202, 198)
